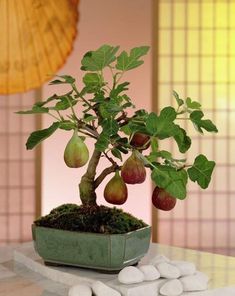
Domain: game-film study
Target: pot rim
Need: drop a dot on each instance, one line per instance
(94, 233)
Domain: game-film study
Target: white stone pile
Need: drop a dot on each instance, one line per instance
(168, 278)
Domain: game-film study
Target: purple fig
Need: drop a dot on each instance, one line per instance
(76, 153)
(140, 141)
(115, 191)
(133, 170)
(163, 200)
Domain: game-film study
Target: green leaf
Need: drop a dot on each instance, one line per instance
(35, 110)
(99, 59)
(67, 125)
(152, 157)
(192, 104)
(152, 123)
(126, 129)
(65, 79)
(89, 117)
(179, 101)
(110, 126)
(38, 136)
(50, 99)
(102, 142)
(182, 140)
(119, 89)
(141, 113)
(173, 181)
(134, 127)
(201, 171)
(56, 81)
(98, 97)
(162, 126)
(125, 62)
(199, 123)
(116, 153)
(109, 108)
(93, 82)
(164, 154)
(64, 103)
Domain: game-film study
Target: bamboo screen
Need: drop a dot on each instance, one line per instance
(17, 170)
(196, 57)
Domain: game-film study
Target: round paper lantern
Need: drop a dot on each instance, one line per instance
(36, 36)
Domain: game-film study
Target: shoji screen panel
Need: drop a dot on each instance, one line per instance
(20, 179)
(195, 53)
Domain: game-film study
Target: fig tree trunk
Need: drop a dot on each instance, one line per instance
(87, 184)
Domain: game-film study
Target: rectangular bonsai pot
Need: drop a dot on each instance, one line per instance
(109, 252)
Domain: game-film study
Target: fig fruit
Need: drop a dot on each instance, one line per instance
(115, 191)
(133, 170)
(76, 153)
(140, 141)
(163, 200)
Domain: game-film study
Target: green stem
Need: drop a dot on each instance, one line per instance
(52, 115)
(80, 96)
(120, 77)
(71, 106)
(60, 116)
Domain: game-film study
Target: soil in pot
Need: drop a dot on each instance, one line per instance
(96, 219)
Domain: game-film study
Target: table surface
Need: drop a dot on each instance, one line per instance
(14, 277)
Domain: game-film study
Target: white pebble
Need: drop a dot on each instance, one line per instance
(130, 275)
(150, 272)
(172, 288)
(168, 270)
(158, 259)
(186, 268)
(79, 290)
(197, 282)
(100, 289)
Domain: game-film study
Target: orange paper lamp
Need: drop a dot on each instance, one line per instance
(36, 36)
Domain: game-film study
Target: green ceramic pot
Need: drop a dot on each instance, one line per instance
(107, 252)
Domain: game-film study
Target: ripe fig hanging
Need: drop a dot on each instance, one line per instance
(133, 170)
(163, 200)
(76, 153)
(115, 191)
(140, 141)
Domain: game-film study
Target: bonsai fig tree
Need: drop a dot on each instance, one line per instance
(99, 110)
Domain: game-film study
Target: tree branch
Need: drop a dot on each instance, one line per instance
(105, 173)
(110, 158)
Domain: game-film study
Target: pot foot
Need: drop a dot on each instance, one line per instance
(105, 271)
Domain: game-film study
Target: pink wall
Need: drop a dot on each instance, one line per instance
(124, 23)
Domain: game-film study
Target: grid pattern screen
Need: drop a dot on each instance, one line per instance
(17, 169)
(196, 57)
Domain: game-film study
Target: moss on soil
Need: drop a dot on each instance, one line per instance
(98, 219)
